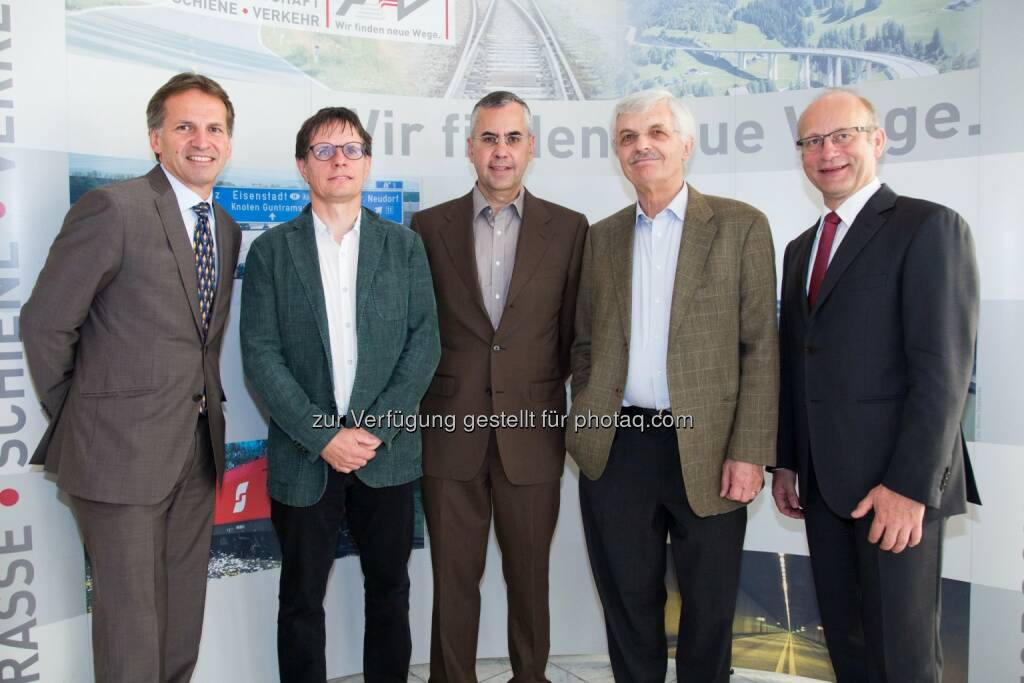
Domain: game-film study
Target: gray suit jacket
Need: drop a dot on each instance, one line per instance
(286, 350)
(112, 339)
(722, 350)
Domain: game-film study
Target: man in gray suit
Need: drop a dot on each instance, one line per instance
(122, 335)
(339, 340)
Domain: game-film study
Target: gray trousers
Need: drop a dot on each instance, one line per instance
(149, 566)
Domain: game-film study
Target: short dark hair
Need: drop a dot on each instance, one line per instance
(495, 100)
(156, 110)
(330, 117)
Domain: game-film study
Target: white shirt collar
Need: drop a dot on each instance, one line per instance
(321, 227)
(849, 209)
(186, 197)
(677, 206)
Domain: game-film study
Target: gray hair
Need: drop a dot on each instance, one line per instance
(496, 100)
(645, 100)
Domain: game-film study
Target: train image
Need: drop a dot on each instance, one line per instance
(243, 535)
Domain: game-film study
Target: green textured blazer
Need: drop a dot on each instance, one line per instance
(286, 351)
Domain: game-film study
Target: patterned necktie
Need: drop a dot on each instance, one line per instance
(828, 236)
(206, 271)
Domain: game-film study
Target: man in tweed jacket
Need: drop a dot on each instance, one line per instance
(339, 340)
(674, 392)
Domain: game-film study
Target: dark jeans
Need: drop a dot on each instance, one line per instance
(381, 523)
(628, 514)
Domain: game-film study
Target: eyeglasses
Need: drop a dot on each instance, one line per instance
(840, 138)
(325, 151)
(492, 139)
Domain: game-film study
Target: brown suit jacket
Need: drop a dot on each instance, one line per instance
(521, 366)
(723, 357)
(112, 339)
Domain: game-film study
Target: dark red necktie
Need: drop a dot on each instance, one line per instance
(828, 235)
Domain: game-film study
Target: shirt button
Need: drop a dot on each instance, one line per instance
(499, 232)
(497, 263)
(497, 296)
(657, 301)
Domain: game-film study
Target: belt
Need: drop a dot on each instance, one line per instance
(664, 416)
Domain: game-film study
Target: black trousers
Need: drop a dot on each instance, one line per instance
(628, 514)
(381, 523)
(879, 610)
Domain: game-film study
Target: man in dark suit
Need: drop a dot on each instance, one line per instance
(339, 340)
(674, 386)
(122, 335)
(879, 315)
(505, 266)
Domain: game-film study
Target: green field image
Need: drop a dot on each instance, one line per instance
(351, 64)
(665, 50)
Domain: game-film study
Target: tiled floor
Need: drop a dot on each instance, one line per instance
(573, 669)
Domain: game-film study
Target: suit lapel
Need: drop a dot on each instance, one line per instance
(225, 245)
(620, 256)
(302, 245)
(177, 237)
(798, 273)
(371, 246)
(458, 240)
(872, 217)
(698, 234)
(531, 246)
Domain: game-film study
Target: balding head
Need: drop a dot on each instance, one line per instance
(842, 143)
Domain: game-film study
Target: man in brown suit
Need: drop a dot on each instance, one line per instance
(674, 386)
(122, 335)
(506, 268)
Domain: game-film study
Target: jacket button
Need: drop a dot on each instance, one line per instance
(810, 350)
(496, 348)
(487, 391)
(197, 397)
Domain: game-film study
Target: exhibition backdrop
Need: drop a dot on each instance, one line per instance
(75, 77)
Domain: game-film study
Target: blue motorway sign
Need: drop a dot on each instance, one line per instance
(279, 204)
(261, 204)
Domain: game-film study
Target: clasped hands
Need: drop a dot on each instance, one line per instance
(897, 523)
(350, 449)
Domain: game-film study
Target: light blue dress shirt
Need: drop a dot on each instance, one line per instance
(655, 255)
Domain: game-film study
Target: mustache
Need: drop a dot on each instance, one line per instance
(649, 155)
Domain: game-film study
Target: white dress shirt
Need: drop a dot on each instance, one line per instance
(847, 212)
(655, 255)
(186, 200)
(338, 266)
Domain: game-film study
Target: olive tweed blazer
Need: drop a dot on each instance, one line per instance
(723, 353)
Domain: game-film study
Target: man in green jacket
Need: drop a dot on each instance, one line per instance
(340, 340)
